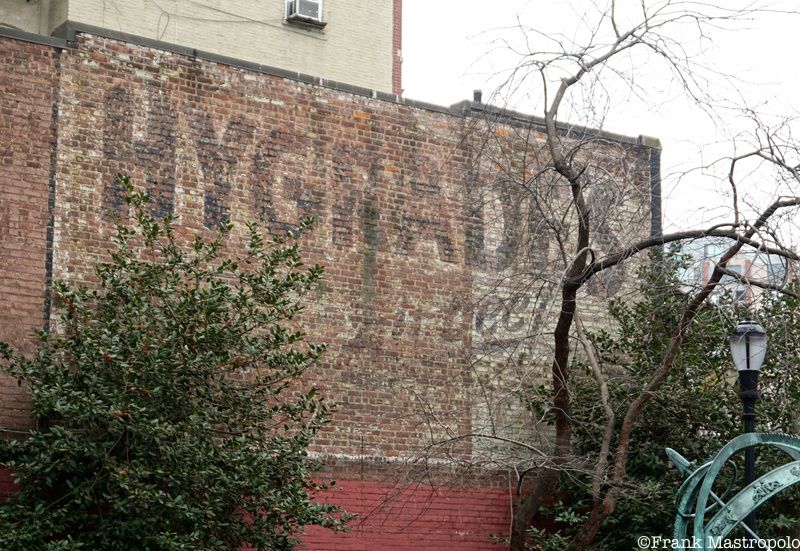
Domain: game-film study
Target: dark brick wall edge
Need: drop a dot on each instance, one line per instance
(656, 227)
(10, 32)
(51, 197)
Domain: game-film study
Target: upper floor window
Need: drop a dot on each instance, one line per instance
(713, 249)
(734, 270)
(305, 12)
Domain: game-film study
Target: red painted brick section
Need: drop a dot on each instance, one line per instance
(7, 486)
(419, 518)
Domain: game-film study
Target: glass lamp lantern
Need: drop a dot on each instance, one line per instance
(748, 346)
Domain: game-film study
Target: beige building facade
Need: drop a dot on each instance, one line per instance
(356, 42)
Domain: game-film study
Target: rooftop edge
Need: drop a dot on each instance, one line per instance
(66, 36)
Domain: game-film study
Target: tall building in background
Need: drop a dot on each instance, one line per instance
(746, 266)
(357, 42)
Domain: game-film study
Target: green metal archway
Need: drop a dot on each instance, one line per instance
(712, 519)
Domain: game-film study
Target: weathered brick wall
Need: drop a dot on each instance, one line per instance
(213, 143)
(27, 95)
(521, 240)
(416, 223)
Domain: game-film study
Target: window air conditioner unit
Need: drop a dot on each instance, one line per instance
(304, 11)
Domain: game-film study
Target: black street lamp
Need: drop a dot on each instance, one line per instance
(748, 348)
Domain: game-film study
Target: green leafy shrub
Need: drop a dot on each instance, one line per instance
(168, 409)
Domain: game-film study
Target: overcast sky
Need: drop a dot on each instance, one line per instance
(450, 47)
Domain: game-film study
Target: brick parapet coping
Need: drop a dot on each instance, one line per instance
(65, 37)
